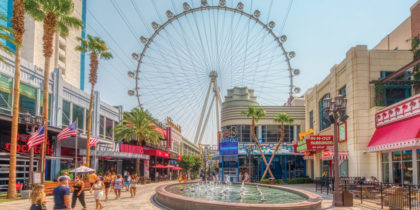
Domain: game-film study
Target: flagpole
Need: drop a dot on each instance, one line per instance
(75, 153)
(95, 154)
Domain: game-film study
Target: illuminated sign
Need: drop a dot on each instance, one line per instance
(315, 142)
(23, 147)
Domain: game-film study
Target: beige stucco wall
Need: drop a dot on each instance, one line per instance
(399, 38)
(32, 48)
(355, 72)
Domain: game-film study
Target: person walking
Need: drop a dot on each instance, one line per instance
(133, 184)
(98, 188)
(92, 179)
(180, 178)
(38, 198)
(78, 193)
(127, 182)
(107, 182)
(118, 184)
(66, 176)
(62, 195)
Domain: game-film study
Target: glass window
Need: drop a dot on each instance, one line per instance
(6, 87)
(402, 167)
(342, 91)
(41, 102)
(78, 112)
(311, 119)
(385, 167)
(324, 121)
(396, 156)
(343, 168)
(65, 116)
(109, 128)
(27, 101)
(246, 133)
(396, 92)
(101, 125)
(273, 133)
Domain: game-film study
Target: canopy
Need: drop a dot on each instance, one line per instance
(329, 155)
(399, 135)
(169, 166)
(158, 166)
(83, 170)
(177, 168)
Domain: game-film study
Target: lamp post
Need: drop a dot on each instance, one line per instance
(249, 150)
(31, 123)
(336, 110)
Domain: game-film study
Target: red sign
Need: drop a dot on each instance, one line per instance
(23, 147)
(156, 152)
(168, 137)
(179, 158)
(131, 149)
(315, 142)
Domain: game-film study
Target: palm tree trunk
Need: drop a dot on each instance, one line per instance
(259, 148)
(277, 149)
(45, 115)
(11, 191)
(89, 124)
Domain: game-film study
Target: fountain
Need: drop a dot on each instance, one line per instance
(218, 194)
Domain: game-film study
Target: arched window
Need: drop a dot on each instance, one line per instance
(324, 121)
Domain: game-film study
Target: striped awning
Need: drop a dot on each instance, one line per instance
(329, 155)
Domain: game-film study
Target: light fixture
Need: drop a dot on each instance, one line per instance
(155, 25)
(169, 14)
(222, 3)
(131, 92)
(257, 13)
(143, 39)
(186, 6)
(292, 54)
(38, 119)
(296, 72)
(240, 6)
(27, 118)
(283, 38)
(296, 90)
(327, 103)
(203, 3)
(271, 24)
(339, 100)
(135, 56)
(131, 74)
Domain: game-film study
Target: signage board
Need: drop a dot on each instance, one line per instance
(342, 132)
(315, 142)
(267, 149)
(131, 149)
(36, 177)
(228, 146)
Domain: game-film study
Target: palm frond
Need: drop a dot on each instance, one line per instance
(62, 29)
(33, 8)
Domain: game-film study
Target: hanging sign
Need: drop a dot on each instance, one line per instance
(228, 146)
(342, 132)
(315, 142)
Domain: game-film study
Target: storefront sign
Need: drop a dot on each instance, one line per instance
(342, 131)
(314, 142)
(23, 147)
(146, 169)
(228, 146)
(329, 155)
(179, 158)
(156, 152)
(303, 134)
(267, 149)
(132, 149)
(108, 148)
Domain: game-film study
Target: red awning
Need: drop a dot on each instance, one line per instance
(156, 152)
(399, 135)
(169, 166)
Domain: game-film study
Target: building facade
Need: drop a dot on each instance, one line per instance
(286, 164)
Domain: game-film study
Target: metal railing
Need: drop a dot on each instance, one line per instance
(377, 194)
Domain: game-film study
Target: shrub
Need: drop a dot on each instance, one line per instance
(68, 173)
(279, 181)
(299, 180)
(264, 181)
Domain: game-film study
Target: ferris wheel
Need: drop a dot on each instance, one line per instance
(195, 55)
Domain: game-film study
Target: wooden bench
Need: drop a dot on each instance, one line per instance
(49, 187)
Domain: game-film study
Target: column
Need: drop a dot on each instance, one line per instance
(415, 173)
(259, 132)
(391, 176)
(295, 133)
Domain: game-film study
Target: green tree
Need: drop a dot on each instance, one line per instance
(282, 118)
(96, 47)
(56, 16)
(187, 163)
(137, 125)
(197, 163)
(18, 26)
(256, 114)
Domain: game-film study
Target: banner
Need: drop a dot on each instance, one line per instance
(228, 146)
(267, 149)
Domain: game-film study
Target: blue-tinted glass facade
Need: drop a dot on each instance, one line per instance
(6, 10)
(82, 55)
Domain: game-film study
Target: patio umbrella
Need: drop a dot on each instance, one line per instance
(158, 166)
(169, 166)
(82, 170)
(177, 168)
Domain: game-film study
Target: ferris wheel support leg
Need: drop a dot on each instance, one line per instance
(207, 119)
(202, 114)
(217, 114)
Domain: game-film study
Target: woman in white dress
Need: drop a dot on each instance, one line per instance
(98, 188)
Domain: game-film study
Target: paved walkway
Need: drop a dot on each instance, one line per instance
(141, 201)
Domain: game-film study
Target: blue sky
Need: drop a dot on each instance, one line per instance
(320, 32)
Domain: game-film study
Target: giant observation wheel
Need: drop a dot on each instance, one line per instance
(195, 55)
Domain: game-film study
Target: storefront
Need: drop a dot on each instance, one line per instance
(397, 142)
(158, 157)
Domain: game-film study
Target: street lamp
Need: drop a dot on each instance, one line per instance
(336, 110)
(249, 150)
(31, 123)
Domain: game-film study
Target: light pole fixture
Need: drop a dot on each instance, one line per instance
(336, 110)
(31, 123)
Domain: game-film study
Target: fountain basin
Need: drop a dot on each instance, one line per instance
(165, 195)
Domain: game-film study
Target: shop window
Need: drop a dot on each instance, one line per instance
(273, 133)
(246, 133)
(344, 168)
(78, 115)
(101, 126)
(402, 167)
(6, 89)
(41, 102)
(396, 92)
(27, 101)
(324, 121)
(342, 91)
(311, 119)
(385, 167)
(65, 114)
(109, 128)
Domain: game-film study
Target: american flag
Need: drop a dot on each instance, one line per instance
(37, 138)
(68, 132)
(93, 141)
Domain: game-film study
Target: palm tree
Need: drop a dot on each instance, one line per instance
(18, 27)
(56, 17)
(281, 118)
(256, 114)
(137, 125)
(96, 47)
